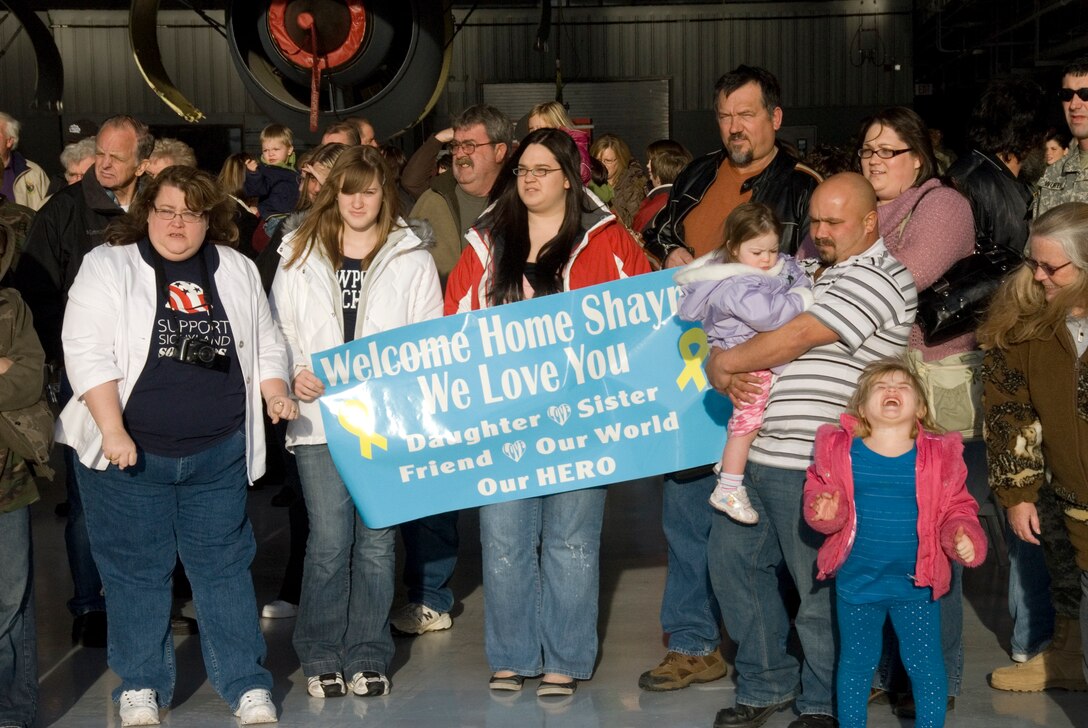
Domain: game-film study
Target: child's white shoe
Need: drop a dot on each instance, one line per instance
(735, 504)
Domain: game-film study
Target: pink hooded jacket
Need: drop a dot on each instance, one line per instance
(944, 505)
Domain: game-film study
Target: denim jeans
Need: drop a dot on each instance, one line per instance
(18, 637)
(689, 611)
(890, 674)
(430, 555)
(140, 520)
(744, 566)
(1029, 595)
(540, 609)
(347, 579)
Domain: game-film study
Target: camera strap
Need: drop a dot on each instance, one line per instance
(164, 287)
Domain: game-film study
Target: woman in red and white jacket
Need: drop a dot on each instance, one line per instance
(543, 234)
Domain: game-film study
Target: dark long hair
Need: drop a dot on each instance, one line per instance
(202, 194)
(508, 221)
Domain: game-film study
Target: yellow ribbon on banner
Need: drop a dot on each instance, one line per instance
(355, 418)
(694, 349)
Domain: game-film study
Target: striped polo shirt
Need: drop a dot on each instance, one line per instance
(869, 300)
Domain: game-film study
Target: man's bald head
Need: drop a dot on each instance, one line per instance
(843, 218)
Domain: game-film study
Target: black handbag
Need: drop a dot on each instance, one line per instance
(954, 304)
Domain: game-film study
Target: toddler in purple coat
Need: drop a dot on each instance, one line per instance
(741, 289)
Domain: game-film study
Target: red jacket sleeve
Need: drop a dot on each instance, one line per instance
(958, 507)
(822, 478)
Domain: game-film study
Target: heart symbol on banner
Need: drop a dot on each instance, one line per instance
(514, 450)
(559, 413)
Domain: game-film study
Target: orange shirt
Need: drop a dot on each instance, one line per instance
(703, 226)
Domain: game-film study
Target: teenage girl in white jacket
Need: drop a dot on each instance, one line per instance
(353, 268)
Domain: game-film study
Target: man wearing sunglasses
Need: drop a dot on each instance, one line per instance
(1067, 179)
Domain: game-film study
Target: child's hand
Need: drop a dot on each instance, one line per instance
(965, 549)
(825, 507)
(5, 364)
(251, 165)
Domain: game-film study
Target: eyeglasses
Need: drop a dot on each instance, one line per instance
(187, 216)
(1050, 270)
(882, 153)
(468, 146)
(535, 171)
(1067, 94)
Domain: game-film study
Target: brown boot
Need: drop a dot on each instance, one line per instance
(1058, 666)
(678, 671)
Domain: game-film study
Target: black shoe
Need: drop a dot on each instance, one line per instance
(905, 708)
(746, 716)
(90, 630)
(61, 509)
(814, 720)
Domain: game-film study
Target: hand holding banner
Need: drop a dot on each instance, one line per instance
(575, 390)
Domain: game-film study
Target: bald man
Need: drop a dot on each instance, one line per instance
(863, 311)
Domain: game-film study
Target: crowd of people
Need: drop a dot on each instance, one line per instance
(855, 461)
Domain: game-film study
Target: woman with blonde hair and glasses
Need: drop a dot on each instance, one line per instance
(625, 175)
(1035, 337)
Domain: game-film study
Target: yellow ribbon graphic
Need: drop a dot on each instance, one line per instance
(693, 349)
(355, 418)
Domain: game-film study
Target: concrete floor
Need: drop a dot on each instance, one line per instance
(440, 679)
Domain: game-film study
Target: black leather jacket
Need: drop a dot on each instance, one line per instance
(1000, 202)
(785, 185)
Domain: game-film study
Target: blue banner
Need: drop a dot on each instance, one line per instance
(574, 390)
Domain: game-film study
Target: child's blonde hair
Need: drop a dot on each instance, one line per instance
(874, 372)
(748, 220)
(278, 133)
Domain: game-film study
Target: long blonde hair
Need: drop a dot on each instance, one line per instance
(554, 115)
(355, 170)
(1019, 311)
(874, 372)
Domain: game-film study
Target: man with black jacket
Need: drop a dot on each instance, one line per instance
(750, 166)
(67, 227)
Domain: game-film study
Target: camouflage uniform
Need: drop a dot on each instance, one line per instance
(1064, 181)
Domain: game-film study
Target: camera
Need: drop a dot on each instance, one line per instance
(200, 352)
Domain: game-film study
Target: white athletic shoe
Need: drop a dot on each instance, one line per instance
(256, 707)
(139, 707)
(735, 504)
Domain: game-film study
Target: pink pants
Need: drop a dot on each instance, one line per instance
(747, 418)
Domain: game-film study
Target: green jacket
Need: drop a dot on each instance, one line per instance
(20, 385)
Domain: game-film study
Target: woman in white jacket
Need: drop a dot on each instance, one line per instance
(169, 345)
(352, 269)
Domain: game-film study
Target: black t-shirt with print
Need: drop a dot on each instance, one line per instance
(178, 409)
(350, 278)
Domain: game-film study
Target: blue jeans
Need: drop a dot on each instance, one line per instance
(140, 520)
(18, 637)
(540, 609)
(689, 611)
(347, 578)
(889, 674)
(744, 566)
(1030, 605)
(430, 555)
(918, 626)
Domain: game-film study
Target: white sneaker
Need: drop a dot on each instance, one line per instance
(279, 609)
(735, 504)
(256, 707)
(369, 684)
(327, 685)
(139, 707)
(416, 619)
